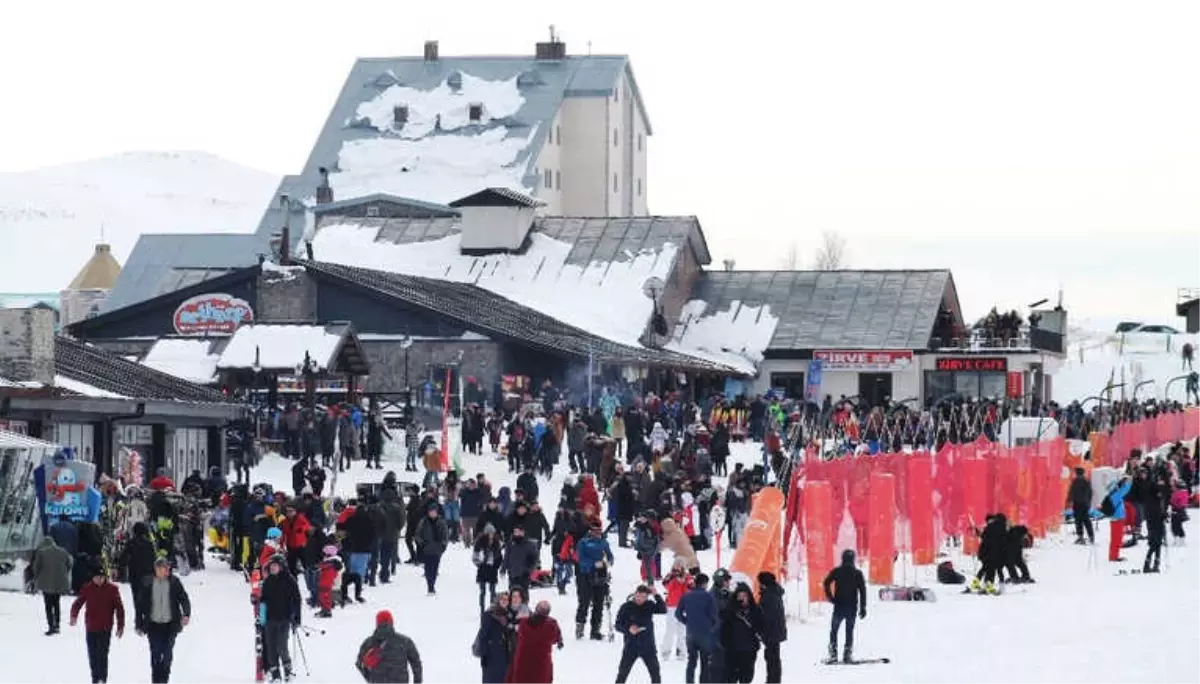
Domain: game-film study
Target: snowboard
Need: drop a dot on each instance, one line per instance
(906, 594)
(859, 661)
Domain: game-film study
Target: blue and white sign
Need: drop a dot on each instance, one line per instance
(813, 380)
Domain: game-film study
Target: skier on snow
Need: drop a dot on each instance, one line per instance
(279, 613)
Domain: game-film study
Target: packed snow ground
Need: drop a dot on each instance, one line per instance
(1080, 622)
(1131, 358)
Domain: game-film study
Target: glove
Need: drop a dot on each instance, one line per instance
(862, 613)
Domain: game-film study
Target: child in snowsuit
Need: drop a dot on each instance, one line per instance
(327, 575)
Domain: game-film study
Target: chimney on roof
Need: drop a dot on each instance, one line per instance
(324, 192)
(285, 242)
(555, 49)
(431, 51)
(27, 345)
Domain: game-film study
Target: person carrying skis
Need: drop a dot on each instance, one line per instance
(592, 580)
(635, 619)
(698, 612)
(161, 610)
(103, 602)
(279, 613)
(848, 596)
(386, 656)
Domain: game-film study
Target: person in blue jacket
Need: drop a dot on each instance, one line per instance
(594, 558)
(697, 610)
(1114, 506)
(635, 620)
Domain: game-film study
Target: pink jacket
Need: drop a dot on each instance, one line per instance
(1179, 499)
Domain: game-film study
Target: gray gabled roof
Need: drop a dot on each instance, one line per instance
(544, 85)
(835, 309)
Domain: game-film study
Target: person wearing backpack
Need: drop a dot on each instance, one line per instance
(1114, 507)
(386, 656)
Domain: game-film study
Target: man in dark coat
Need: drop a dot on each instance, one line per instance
(1079, 498)
(991, 552)
(520, 559)
(774, 631)
(741, 634)
(848, 596)
(52, 576)
(279, 611)
(138, 558)
(527, 483)
(1015, 541)
(386, 656)
(432, 539)
(635, 619)
(161, 610)
(395, 518)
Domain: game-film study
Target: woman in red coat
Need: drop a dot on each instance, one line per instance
(588, 495)
(536, 638)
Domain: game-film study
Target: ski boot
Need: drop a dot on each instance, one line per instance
(832, 654)
(976, 586)
(848, 655)
(579, 630)
(991, 589)
(596, 636)
(274, 676)
(288, 673)
(1079, 541)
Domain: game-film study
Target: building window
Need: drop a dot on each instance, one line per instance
(550, 137)
(558, 180)
(399, 116)
(614, 182)
(475, 112)
(791, 385)
(558, 134)
(639, 187)
(616, 94)
(639, 142)
(616, 137)
(372, 210)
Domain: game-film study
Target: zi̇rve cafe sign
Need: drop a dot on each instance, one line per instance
(212, 314)
(882, 361)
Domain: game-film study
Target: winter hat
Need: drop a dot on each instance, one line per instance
(274, 533)
(848, 557)
(162, 562)
(489, 529)
(383, 617)
(330, 550)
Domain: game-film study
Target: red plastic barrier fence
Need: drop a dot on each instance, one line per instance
(920, 508)
(819, 535)
(974, 484)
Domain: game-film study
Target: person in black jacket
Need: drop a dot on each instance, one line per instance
(1079, 498)
(527, 483)
(138, 557)
(991, 553)
(1155, 507)
(848, 596)
(492, 516)
(395, 518)
(1015, 541)
(635, 619)
(741, 634)
(360, 540)
(774, 630)
(279, 611)
(162, 610)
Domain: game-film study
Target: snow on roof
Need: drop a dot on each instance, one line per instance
(63, 382)
(736, 336)
(280, 346)
(15, 440)
(603, 297)
(439, 154)
(190, 360)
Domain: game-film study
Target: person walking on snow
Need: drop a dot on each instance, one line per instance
(774, 628)
(1079, 500)
(677, 583)
(279, 613)
(698, 612)
(386, 656)
(432, 539)
(635, 619)
(161, 610)
(592, 580)
(52, 576)
(537, 636)
(102, 602)
(848, 596)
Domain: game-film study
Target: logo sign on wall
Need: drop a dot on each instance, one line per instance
(64, 488)
(212, 314)
(883, 361)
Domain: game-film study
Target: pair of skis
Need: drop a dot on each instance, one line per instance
(861, 661)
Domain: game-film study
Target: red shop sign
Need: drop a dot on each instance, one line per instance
(973, 364)
(1015, 385)
(210, 314)
(884, 361)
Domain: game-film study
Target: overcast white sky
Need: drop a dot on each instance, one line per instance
(1025, 145)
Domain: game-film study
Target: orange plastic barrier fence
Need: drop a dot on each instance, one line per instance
(758, 549)
(881, 531)
(920, 509)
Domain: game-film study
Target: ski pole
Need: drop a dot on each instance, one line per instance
(309, 631)
(300, 647)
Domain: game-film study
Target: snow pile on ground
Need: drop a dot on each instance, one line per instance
(604, 298)
(183, 358)
(737, 336)
(1130, 358)
(958, 638)
(279, 346)
(439, 154)
(51, 218)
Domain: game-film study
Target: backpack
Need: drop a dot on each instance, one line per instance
(1106, 506)
(477, 645)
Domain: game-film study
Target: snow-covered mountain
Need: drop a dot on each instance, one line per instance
(51, 218)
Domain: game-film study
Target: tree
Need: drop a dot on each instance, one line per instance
(832, 253)
(790, 261)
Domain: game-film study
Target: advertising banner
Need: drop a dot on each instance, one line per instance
(64, 488)
(865, 361)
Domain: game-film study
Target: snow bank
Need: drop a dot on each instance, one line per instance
(279, 346)
(604, 298)
(187, 359)
(737, 336)
(439, 154)
(1130, 358)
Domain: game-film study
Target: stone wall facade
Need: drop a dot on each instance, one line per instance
(481, 359)
(27, 345)
(286, 298)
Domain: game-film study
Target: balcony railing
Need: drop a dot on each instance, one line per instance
(1025, 339)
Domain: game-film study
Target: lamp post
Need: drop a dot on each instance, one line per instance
(406, 344)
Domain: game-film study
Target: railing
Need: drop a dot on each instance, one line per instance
(1024, 340)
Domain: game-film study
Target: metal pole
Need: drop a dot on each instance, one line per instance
(591, 371)
(1167, 391)
(1139, 386)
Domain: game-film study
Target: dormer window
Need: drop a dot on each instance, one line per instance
(475, 112)
(399, 116)
(372, 210)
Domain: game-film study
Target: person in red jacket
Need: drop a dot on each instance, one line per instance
(536, 638)
(103, 602)
(296, 529)
(588, 496)
(677, 583)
